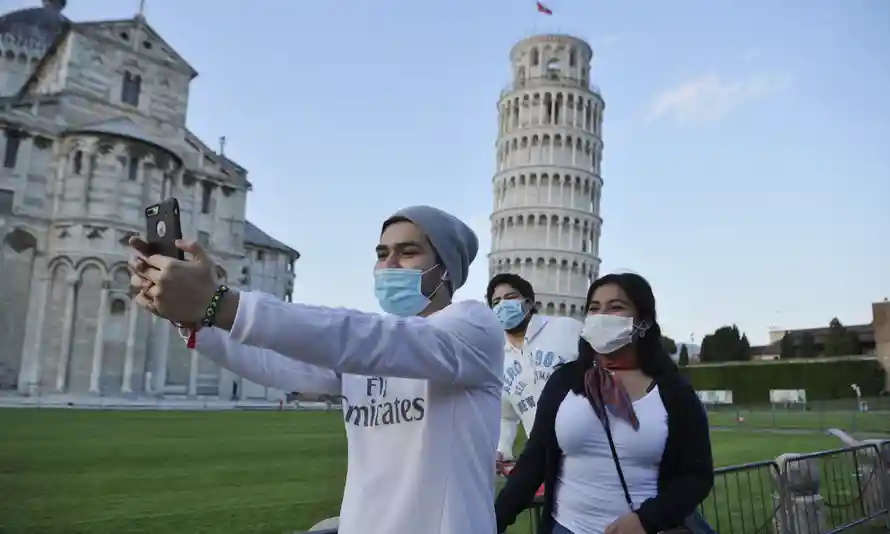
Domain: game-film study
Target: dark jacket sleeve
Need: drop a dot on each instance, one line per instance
(692, 469)
(530, 469)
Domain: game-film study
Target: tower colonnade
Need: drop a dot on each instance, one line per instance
(545, 223)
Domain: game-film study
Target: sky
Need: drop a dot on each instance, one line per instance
(747, 143)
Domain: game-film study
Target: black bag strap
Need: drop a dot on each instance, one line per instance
(606, 427)
(689, 525)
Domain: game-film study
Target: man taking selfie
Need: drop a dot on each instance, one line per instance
(421, 385)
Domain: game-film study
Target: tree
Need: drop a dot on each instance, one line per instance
(841, 342)
(787, 350)
(726, 344)
(807, 347)
(684, 357)
(853, 344)
(669, 344)
(742, 351)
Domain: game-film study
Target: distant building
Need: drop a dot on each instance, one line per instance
(874, 338)
(865, 333)
(93, 130)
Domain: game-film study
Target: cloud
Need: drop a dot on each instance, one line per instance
(711, 98)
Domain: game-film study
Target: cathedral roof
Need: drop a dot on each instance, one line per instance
(258, 238)
(36, 26)
(126, 128)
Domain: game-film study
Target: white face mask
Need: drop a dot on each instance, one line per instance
(608, 333)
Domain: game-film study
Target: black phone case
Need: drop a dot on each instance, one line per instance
(163, 228)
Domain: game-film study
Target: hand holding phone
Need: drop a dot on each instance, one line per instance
(163, 229)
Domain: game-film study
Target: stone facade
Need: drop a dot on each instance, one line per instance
(881, 322)
(92, 130)
(545, 220)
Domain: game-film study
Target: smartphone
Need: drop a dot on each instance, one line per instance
(162, 229)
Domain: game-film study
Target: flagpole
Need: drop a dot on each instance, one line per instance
(542, 10)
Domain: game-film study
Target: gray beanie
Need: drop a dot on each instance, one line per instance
(454, 242)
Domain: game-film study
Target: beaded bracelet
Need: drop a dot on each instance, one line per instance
(213, 307)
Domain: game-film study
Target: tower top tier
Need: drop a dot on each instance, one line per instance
(560, 60)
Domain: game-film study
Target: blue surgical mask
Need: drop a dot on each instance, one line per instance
(510, 313)
(399, 291)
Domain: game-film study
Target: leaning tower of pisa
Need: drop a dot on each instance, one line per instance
(545, 221)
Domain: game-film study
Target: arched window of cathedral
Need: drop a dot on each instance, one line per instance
(167, 187)
(78, 162)
(133, 169)
(206, 197)
(120, 279)
(535, 59)
(131, 88)
(11, 153)
(118, 307)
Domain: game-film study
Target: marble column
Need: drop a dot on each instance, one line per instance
(242, 390)
(193, 374)
(161, 344)
(67, 332)
(27, 149)
(29, 374)
(129, 355)
(99, 339)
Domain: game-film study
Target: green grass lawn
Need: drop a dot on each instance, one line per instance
(90, 472)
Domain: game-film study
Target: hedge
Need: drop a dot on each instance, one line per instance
(751, 382)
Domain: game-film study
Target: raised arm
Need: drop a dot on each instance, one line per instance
(461, 345)
(265, 367)
(509, 426)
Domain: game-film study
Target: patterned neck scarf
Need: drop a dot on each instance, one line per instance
(605, 391)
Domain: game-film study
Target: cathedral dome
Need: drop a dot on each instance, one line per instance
(35, 27)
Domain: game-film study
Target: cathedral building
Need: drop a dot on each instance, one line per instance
(93, 130)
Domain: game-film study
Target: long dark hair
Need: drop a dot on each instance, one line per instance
(653, 359)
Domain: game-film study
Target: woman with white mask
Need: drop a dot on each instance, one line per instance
(620, 439)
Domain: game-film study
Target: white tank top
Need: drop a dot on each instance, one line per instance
(589, 496)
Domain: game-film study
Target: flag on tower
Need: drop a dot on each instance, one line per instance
(544, 9)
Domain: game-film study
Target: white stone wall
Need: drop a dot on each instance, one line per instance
(271, 271)
(545, 219)
(17, 61)
(94, 65)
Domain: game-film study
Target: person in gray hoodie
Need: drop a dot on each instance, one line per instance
(421, 384)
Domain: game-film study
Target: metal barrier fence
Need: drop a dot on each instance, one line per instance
(823, 492)
(818, 493)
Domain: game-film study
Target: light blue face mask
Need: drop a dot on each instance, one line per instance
(400, 291)
(510, 313)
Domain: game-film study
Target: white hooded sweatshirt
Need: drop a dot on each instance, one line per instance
(549, 341)
(421, 403)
